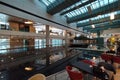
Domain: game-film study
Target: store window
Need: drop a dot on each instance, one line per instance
(40, 43)
(57, 42)
(4, 45)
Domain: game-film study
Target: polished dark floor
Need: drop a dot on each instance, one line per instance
(17, 73)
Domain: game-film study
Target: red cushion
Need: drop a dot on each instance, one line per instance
(88, 62)
(106, 57)
(116, 59)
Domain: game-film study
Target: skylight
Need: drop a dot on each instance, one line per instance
(48, 2)
(78, 3)
(93, 5)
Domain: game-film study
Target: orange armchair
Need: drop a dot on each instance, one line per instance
(74, 75)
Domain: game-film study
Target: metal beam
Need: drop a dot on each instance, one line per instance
(102, 10)
(59, 5)
(97, 21)
(109, 23)
(105, 26)
(76, 7)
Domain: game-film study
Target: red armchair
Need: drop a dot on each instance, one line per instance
(106, 57)
(74, 75)
(116, 59)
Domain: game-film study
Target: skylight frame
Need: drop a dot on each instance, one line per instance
(48, 2)
(94, 5)
(99, 16)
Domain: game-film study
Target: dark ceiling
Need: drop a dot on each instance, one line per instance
(86, 13)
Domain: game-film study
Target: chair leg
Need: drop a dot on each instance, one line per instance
(68, 78)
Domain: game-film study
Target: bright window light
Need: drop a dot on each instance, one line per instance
(93, 26)
(112, 16)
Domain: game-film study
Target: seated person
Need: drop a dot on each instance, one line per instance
(108, 68)
(110, 51)
(118, 50)
(100, 72)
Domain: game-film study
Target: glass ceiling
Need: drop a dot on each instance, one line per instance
(84, 9)
(94, 5)
(74, 10)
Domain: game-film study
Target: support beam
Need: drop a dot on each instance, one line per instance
(76, 7)
(59, 5)
(106, 24)
(97, 21)
(102, 10)
(103, 28)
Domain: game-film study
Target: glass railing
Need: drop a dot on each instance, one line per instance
(93, 50)
(98, 47)
(31, 54)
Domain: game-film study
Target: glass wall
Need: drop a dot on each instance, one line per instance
(4, 45)
(57, 42)
(40, 43)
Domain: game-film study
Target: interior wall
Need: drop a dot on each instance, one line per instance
(14, 26)
(19, 41)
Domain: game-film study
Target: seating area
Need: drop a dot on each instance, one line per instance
(73, 72)
(106, 67)
(113, 59)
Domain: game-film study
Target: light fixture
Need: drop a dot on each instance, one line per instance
(28, 22)
(93, 26)
(94, 58)
(112, 16)
(28, 68)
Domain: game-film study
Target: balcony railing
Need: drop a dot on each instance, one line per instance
(25, 54)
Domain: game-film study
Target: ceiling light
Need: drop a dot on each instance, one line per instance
(93, 26)
(28, 22)
(112, 16)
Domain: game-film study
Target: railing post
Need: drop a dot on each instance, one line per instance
(47, 55)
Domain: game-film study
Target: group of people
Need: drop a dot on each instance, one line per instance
(115, 51)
